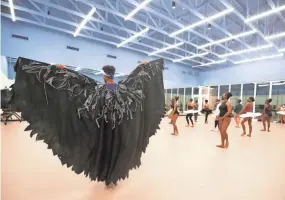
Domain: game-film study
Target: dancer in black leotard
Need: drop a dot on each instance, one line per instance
(190, 115)
(225, 120)
(174, 115)
(266, 115)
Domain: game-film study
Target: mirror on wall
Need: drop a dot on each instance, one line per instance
(262, 93)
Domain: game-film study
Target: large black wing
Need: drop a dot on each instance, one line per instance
(144, 90)
(90, 128)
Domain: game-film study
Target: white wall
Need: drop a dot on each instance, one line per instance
(50, 46)
(267, 70)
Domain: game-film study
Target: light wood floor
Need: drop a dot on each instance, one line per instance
(174, 168)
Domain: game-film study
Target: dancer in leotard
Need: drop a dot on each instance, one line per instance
(237, 110)
(217, 113)
(174, 115)
(189, 115)
(206, 110)
(266, 115)
(247, 108)
(196, 106)
(225, 120)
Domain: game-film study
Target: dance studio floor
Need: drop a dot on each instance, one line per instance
(174, 168)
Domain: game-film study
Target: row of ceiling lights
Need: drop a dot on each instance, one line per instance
(203, 21)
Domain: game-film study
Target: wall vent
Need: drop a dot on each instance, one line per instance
(110, 56)
(19, 37)
(72, 48)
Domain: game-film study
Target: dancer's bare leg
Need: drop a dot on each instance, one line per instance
(222, 145)
(268, 123)
(243, 126)
(264, 119)
(250, 126)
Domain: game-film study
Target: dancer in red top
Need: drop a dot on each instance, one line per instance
(247, 108)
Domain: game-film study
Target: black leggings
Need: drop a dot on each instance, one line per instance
(190, 117)
(196, 117)
(216, 123)
(206, 116)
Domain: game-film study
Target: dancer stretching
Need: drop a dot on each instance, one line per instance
(266, 115)
(217, 112)
(225, 120)
(237, 110)
(174, 115)
(189, 115)
(247, 108)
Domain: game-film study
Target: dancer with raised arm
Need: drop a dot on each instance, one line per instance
(99, 129)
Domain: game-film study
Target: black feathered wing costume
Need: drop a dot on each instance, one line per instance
(91, 129)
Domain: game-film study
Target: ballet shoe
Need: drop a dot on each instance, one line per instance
(243, 134)
(268, 131)
(220, 146)
(248, 135)
(263, 130)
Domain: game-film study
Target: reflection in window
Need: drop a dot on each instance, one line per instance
(223, 89)
(235, 90)
(181, 99)
(278, 97)
(188, 95)
(248, 91)
(262, 93)
(213, 95)
(168, 97)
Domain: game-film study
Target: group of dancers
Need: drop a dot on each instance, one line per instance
(224, 111)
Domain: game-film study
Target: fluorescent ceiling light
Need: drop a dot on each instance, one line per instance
(139, 7)
(228, 38)
(203, 21)
(12, 10)
(85, 20)
(211, 63)
(190, 57)
(133, 37)
(246, 50)
(166, 48)
(260, 58)
(272, 37)
(264, 14)
(281, 50)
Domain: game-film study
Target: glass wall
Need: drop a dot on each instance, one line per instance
(223, 89)
(248, 91)
(278, 97)
(181, 99)
(188, 95)
(262, 93)
(236, 92)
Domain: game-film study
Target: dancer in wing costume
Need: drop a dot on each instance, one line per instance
(91, 128)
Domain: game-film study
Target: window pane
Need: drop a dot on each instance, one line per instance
(196, 91)
(235, 90)
(278, 97)
(188, 95)
(248, 91)
(262, 93)
(181, 99)
(223, 89)
(213, 95)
